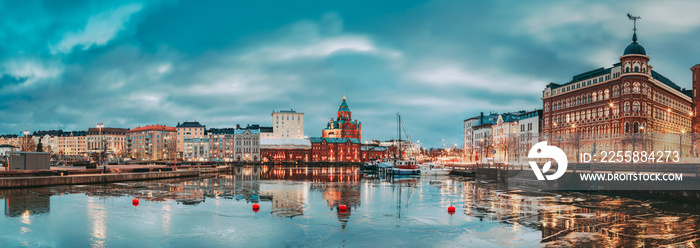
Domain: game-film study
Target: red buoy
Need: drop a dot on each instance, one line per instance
(135, 202)
(343, 208)
(451, 210)
(256, 207)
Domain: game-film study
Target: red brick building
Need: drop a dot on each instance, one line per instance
(335, 149)
(629, 106)
(343, 126)
(285, 150)
(369, 152)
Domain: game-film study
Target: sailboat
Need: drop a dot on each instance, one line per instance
(403, 166)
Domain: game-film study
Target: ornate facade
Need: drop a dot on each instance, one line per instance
(343, 126)
(627, 106)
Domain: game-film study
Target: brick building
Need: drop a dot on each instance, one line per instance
(343, 126)
(624, 107)
(335, 149)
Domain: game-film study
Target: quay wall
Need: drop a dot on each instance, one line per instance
(22, 182)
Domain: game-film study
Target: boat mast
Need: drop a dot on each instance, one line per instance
(399, 130)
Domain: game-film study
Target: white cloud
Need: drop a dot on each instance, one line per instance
(31, 70)
(446, 74)
(564, 20)
(311, 40)
(99, 30)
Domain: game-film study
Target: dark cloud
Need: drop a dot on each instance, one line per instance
(70, 65)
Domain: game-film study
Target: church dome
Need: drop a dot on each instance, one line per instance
(635, 48)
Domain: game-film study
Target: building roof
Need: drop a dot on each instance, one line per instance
(73, 133)
(634, 48)
(153, 128)
(7, 136)
(107, 130)
(47, 132)
(228, 130)
(334, 140)
(252, 131)
(291, 111)
(284, 142)
(374, 148)
(260, 128)
(189, 124)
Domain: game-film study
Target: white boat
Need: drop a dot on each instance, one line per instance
(429, 169)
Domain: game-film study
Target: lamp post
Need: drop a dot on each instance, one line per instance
(101, 145)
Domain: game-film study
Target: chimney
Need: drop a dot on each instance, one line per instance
(481, 121)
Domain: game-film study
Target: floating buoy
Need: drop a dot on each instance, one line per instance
(343, 208)
(256, 207)
(135, 202)
(451, 209)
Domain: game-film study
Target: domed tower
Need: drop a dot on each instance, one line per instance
(635, 59)
(634, 78)
(344, 111)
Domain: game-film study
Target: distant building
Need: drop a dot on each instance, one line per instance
(8, 139)
(480, 133)
(195, 149)
(247, 146)
(265, 132)
(372, 152)
(72, 143)
(221, 144)
(48, 139)
(343, 126)
(4, 149)
(110, 138)
(287, 124)
(335, 149)
(188, 130)
(153, 142)
(285, 150)
(234, 144)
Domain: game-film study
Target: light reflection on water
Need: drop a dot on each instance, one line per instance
(299, 207)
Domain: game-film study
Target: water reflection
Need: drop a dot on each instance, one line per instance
(304, 202)
(26, 202)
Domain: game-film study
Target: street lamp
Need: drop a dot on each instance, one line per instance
(101, 145)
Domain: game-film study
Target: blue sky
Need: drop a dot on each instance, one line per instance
(71, 64)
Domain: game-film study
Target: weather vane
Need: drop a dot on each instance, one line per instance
(634, 18)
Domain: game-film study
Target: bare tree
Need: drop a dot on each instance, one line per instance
(26, 144)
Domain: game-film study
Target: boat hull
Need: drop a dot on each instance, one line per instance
(437, 172)
(398, 171)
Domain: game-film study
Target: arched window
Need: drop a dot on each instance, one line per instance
(607, 94)
(588, 114)
(627, 107)
(635, 88)
(635, 108)
(636, 69)
(627, 127)
(600, 112)
(626, 89)
(636, 127)
(546, 107)
(616, 91)
(627, 69)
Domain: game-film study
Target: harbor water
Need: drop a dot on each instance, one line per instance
(300, 207)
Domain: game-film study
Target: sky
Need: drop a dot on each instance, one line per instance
(72, 64)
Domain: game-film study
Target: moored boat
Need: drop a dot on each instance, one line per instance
(429, 169)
